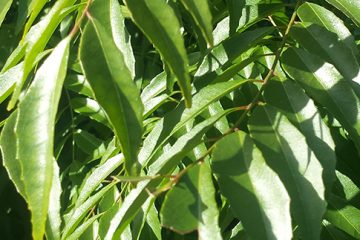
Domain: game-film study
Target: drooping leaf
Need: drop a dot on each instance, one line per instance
(164, 165)
(5, 6)
(350, 8)
(101, 59)
(326, 86)
(33, 133)
(160, 24)
(89, 107)
(325, 44)
(191, 205)
(242, 175)
(200, 12)
(287, 153)
(310, 12)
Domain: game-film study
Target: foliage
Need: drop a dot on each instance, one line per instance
(180, 119)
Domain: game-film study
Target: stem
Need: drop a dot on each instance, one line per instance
(78, 23)
(273, 67)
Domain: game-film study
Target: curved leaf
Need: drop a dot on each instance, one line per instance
(326, 86)
(191, 205)
(242, 174)
(119, 96)
(160, 24)
(310, 12)
(287, 153)
(34, 133)
(351, 8)
(325, 44)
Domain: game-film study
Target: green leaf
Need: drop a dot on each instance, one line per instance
(287, 153)
(79, 212)
(200, 12)
(119, 97)
(325, 44)
(288, 97)
(344, 216)
(33, 44)
(89, 107)
(5, 6)
(160, 24)
(53, 221)
(176, 119)
(121, 36)
(350, 8)
(164, 165)
(82, 228)
(310, 12)
(96, 177)
(190, 205)
(33, 133)
(8, 80)
(230, 49)
(242, 174)
(326, 86)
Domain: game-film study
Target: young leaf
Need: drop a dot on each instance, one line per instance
(350, 8)
(287, 153)
(326, 86)
(242, 174)
(119, 97)
(191, 205)
(34, 133)
(160, 24)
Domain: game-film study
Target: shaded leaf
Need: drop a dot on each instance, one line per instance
(287, 153)
(326, 86)
(242, 175)
(310, 12)
(201, 14)
(325, 44)
(191, 205)
(119, 97)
